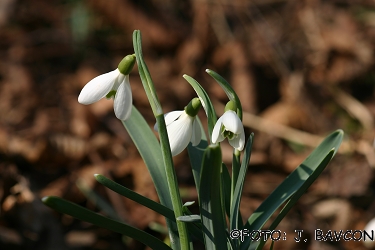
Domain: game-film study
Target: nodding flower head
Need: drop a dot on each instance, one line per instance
(114, 84)
(183, 127)
(229, 126)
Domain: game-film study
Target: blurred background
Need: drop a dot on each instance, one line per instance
(302, 69)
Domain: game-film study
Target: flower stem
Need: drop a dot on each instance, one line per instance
(164, 142)
(235, 170)
(172, 181)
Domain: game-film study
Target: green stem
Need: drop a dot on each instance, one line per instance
(164, 141)
(236, 165)
(172, 181)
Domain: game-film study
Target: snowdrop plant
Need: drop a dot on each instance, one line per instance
(219, 224)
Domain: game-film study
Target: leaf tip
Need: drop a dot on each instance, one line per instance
(48, 200)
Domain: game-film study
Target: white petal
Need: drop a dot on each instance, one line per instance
(120, 79)
(123, 100)
(232, 122)
(172, 116)
(197, 134)
(216, 133)
(179, 133)
(169, 118)
(239, 141)
(97, 88)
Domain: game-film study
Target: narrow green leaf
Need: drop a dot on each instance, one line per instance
(189, 218)
(293, 183)
(157, 207)
(293, 200)
(147, 82)
(226, 184)
(66, 207)
(235, 217)
(228, 90)
(149, 149)
(206, 103)
(97, 200)
(210, 203)
(196, 156)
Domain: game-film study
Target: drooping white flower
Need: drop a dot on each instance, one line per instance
(182, 129)
(229, 126)
(113, 84)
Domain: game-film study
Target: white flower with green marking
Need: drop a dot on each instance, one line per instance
(113, 84)
(229, 126)
(183, 127)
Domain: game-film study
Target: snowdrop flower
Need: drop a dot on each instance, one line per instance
(113, 84)
(229, 126)
(183, 127)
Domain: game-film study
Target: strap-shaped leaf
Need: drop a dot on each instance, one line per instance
(227, 89)
(235, 206)
(226, 184)
(210, 200)
(293, 200)
(206, 103)
(196, 155)
(157, 207)
(81, 213)
(149, 149)
(298, 179)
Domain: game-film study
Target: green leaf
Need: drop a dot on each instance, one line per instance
(210, 200)
(144, 73)
(81, 213)
(298, 181)
(163, 210)
(196, 156)
(149, 149)
(206, 103)
(227, 89)
(97, 200)
(235, 217)
(189, 218)
(293, 200)
(226, 186)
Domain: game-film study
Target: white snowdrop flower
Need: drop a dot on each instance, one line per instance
(183, 127)
(229, 126)
(113, 84)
